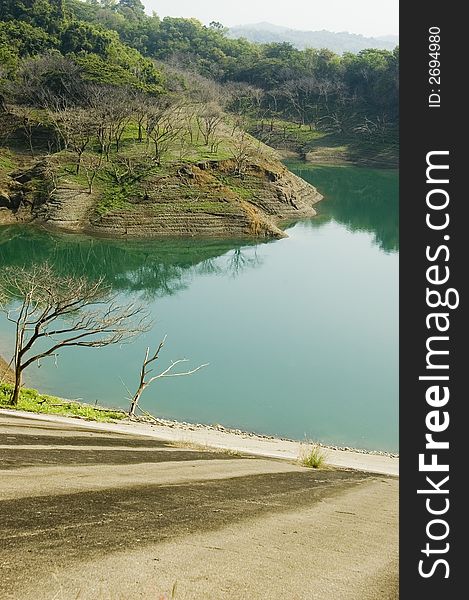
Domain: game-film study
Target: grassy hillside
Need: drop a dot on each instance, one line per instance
(353, 95)
(114, 121)
(144, 169)
(304, 142)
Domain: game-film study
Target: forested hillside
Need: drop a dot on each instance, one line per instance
(115, 42)
(113, 119)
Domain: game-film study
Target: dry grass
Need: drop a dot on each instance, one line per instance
(312, 456)
(191, 445)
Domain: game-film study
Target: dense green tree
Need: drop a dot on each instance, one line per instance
(47, 14)
(114, 42)
(131, 8)
(24, 39)
(81, 37)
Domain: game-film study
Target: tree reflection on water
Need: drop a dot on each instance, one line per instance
(161, 267)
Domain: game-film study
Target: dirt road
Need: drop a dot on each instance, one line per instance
(94, 515)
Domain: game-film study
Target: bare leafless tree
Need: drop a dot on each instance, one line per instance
(163, 127)
(79, 130)
(188, 114)
(92, 164)
(34, 83)
(26, 116)
(126, 169)
(372, 127)
(7, 126)
(122, 111)
(55, 110)
(242, 151)
(185, 145)
(140, 105)
(208, 120)
(74, 126)
(109, 115)
(202, 91)
(52, 312)
(145, 371)
(97, 101)
(245, 99)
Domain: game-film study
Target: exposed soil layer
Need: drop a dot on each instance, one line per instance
(207, 199)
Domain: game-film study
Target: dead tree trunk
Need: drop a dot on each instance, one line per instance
(141, 386)
(58, 312)
(145, 371)
(15, 395)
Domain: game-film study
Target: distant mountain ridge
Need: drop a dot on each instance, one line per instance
(337, 42)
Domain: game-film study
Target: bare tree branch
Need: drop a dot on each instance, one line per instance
(145, 371)
(62, 311)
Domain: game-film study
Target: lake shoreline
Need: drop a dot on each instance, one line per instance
(233, 440)
(187, 426)
(205, 199)
(330, 157)
(228, 438)
(351, 222)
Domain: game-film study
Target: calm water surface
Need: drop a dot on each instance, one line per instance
(301, 334)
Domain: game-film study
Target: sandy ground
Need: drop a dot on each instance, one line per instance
(90, 514)
(246, 443)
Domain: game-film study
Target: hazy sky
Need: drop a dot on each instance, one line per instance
(368, 17)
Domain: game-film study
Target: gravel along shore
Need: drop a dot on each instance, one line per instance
(237, 441)
(97, 514)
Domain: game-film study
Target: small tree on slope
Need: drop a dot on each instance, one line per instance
(51, 312)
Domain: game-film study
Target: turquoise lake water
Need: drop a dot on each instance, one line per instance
(301, 333)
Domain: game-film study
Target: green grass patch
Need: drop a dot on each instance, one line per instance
(68, 174)
(194, 206)
(179, 150)
(114, 199)
(243, 192)
(32, 401)
(7, 163)
(245, 187)
(312, 456)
